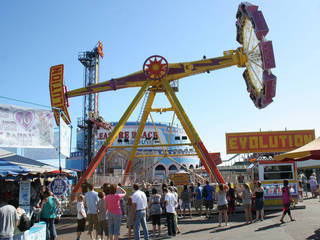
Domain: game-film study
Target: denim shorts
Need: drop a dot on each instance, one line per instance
(186, 204)
(114, 224)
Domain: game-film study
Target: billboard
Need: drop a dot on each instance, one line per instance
(266, 142)
(25, 127)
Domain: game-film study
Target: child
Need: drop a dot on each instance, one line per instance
(81, 217)
(129, 217)
(102, 216)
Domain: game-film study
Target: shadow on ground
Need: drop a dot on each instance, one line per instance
(315, 236)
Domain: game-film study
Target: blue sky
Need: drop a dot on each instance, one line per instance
(38, 34)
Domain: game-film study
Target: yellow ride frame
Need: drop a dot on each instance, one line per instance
(230, 58)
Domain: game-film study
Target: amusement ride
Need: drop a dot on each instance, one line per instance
(157, 76)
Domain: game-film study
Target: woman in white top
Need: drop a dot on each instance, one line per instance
(222, 203)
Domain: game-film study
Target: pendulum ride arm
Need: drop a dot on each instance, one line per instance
(176, 71)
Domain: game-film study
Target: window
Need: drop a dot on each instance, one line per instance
(173, 167)
(160, 168)
(275, 172)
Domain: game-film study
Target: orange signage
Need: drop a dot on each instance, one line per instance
(179, 179)
(57, 93)
(263, 142)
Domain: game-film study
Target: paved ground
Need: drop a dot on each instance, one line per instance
(306, 226)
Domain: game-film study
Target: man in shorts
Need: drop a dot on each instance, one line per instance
(198, 199)
(91, 199)
(208, 196)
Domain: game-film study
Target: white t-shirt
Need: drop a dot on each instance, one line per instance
(171, 202)
(80, 209)
(140, 199)
(177, 198)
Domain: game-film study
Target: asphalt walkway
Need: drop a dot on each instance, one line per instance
(306, 226)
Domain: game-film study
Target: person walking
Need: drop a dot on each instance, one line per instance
(114, 210)
(129, 211)
(48, 214)
(222, 202)
(155, 211)
(186, 197)
(174, 191)
(91, 199)
(140, 212)
(8, 220)
(231, 198)
(170, 203)
(81, 216)
(246, 202)
(102, 216)
(313, 184)
(259, 202)
(198, 199)
(286, 200)
(207, 193)
(304, 183)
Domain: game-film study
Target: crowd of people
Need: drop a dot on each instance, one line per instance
(104, 211)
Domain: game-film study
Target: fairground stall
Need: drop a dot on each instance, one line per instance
(264, 168)
(21, 179)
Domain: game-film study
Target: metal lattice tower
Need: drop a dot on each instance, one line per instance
(90, 61)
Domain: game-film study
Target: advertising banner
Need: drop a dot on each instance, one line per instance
(24, 195)
(25, 127)
(65, 138)
(264, 142)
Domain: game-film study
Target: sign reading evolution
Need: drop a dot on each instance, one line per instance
(57, 93)
(279, 141)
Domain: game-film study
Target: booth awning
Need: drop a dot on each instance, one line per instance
(13, 165)
(306, 152)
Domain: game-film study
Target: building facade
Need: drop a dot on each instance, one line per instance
(145, 168)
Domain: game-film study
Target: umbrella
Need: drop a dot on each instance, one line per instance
(306, 152)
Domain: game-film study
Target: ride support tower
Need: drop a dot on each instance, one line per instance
(90, 61)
